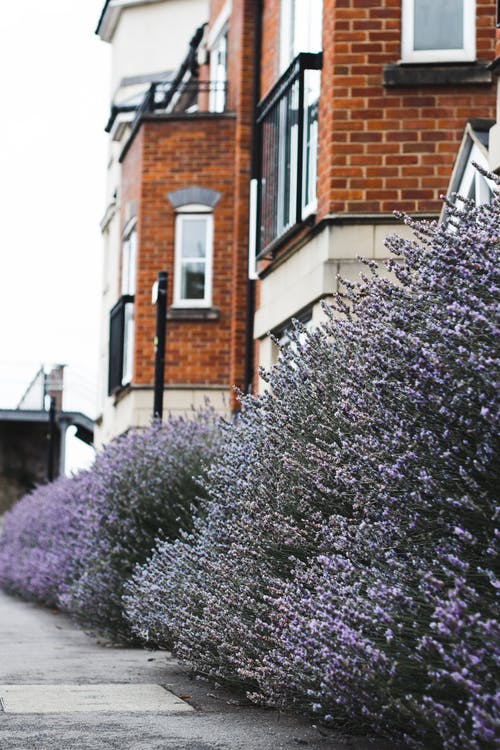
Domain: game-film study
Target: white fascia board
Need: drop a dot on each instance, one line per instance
(469, 140)
(219, 23)
(112, 14)
(120, 125)
(108, 216)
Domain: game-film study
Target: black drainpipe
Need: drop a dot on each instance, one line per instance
(255, 168)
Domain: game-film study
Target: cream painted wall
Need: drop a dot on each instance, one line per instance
(311, 275)
(154, 37)
(135, 409)
(311, 272)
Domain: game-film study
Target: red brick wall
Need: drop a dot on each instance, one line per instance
(269, 69)
(382, 148)
(167, 155)
(215, 8)
(130, 189)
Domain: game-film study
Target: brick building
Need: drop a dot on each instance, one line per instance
(270, 159)
(149, 40)
(398, 82)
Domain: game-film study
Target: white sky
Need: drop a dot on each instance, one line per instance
(55, 101)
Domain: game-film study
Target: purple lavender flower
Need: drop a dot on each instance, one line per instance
(344, 562)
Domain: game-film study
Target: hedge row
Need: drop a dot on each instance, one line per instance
(74, 543)
(342, 558)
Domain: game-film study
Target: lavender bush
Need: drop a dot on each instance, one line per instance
(74, 543)
(404, 624)
(40, 539)
(344, 562)
(144, 485)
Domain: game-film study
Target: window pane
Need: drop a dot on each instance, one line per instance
(194, 238)
(129, 259)
(287, 160)
(307, 22)
(128, 343)
(300, 28)
(438, 24)
(280, 150)
(193, 280)
(310, 151)
(218, 75)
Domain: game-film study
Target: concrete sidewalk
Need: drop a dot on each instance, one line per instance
(60, 688)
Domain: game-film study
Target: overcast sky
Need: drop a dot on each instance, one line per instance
(55, 100)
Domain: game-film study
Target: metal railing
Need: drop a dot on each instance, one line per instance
(287, 138)
(186, 92)
(188, 96)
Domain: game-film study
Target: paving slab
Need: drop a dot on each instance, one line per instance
(62, 689)
(112, 698)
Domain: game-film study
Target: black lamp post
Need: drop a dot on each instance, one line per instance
(160, 297)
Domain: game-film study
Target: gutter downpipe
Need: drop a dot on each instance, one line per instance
(254, 167)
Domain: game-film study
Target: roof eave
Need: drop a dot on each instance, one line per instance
(107, 22)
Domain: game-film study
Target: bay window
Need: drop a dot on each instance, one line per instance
(284, 190)
(287, 124)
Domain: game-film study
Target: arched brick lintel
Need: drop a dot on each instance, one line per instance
(193, 195)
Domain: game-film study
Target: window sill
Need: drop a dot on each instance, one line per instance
(192, 313)
(431, 74)
(269, 252)
(120, 392)
(495, 65)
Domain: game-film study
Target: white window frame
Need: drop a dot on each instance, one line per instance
(287, 170)
(129, 258)
(128, 287)
(310, 146)
(201, 213)
(218, 74)
(299, 33)
(465, 54)
(252, 230)
(128, 343)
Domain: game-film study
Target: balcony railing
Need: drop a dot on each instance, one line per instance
(183, 97)
(187, 92)
(287, 132)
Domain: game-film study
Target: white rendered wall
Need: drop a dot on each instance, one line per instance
(135, 408)
(311, 275)
(154, 37)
